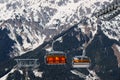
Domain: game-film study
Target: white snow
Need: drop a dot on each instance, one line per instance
(112, 26)
(92, 76)
(38, 73)
(49, 48)
(74, 72)
(63, 12)
(21, 72)
(35, 10)
(5, 76)
(35, 37)
(78, 73)
(68, 10)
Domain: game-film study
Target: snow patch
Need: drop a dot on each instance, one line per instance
(37, 73)
(21, 72)
(111, 29)
(5, 76)
(118, 47)
(92, 76)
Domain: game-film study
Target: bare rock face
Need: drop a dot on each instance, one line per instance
(104, 61)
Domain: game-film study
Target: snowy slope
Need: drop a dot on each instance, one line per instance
(31, 22)
(111, 29)
(24, 36)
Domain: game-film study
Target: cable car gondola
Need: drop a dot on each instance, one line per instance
(55, 58)
(80, 62)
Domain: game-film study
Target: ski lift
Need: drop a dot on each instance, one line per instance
(55, 58)
(81, 62)
(27, 63)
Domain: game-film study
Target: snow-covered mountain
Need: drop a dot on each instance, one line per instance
(26, 24)
(31, 22)
(104, 63)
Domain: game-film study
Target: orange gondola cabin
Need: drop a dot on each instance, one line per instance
(55, 58)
